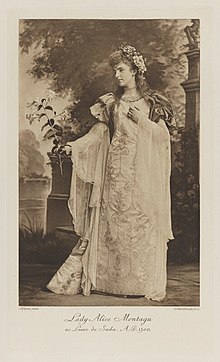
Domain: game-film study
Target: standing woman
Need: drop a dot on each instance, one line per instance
(120, 191)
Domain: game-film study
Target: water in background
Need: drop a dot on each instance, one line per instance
(33, 193)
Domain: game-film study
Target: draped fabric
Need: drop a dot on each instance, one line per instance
(120, 204)
(89, 155)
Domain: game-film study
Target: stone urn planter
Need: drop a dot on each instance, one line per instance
(58, 215)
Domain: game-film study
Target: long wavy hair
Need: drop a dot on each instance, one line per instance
(118, 57)
(150, 96)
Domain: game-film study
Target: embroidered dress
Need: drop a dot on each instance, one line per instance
(120, 203)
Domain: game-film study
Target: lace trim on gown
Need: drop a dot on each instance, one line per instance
(85, 269)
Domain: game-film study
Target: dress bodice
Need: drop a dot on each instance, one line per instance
(123, 125)
(124, 106)
(109, 110)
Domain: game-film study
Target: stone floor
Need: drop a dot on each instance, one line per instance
(182, 289)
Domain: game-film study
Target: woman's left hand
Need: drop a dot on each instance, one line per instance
(134, 114)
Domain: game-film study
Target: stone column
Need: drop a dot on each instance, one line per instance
(192, 90)
(192, 87)
(191, 146)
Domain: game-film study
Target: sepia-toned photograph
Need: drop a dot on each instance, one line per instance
(109, 179)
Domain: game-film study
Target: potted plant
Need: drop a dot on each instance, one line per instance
(60, 128)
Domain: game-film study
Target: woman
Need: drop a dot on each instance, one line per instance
(120, 191)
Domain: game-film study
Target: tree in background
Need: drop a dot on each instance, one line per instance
(73, 55)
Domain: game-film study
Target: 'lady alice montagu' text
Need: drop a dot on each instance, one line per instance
(82, 319)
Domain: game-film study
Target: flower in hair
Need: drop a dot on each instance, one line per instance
(134, 56)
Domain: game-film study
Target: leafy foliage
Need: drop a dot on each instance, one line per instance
(73, 55)
(55, 127)
(185, 200)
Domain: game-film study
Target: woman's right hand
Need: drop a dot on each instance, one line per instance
(135, 114)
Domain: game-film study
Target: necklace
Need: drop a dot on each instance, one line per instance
(131, 98)
(132, 88)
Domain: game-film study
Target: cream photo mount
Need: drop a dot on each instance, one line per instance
(43, 329)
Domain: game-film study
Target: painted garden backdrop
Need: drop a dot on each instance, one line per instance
(63, 68)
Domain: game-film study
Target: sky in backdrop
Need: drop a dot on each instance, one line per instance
(29, 90)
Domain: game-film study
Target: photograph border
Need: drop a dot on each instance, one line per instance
(43, 330)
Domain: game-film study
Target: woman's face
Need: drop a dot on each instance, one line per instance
(124, 74)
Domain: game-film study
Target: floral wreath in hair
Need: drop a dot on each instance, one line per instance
(134, 56)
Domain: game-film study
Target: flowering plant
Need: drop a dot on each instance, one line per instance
(134, 56)
(42, 110)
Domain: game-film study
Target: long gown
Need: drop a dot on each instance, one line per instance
(120, 203)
